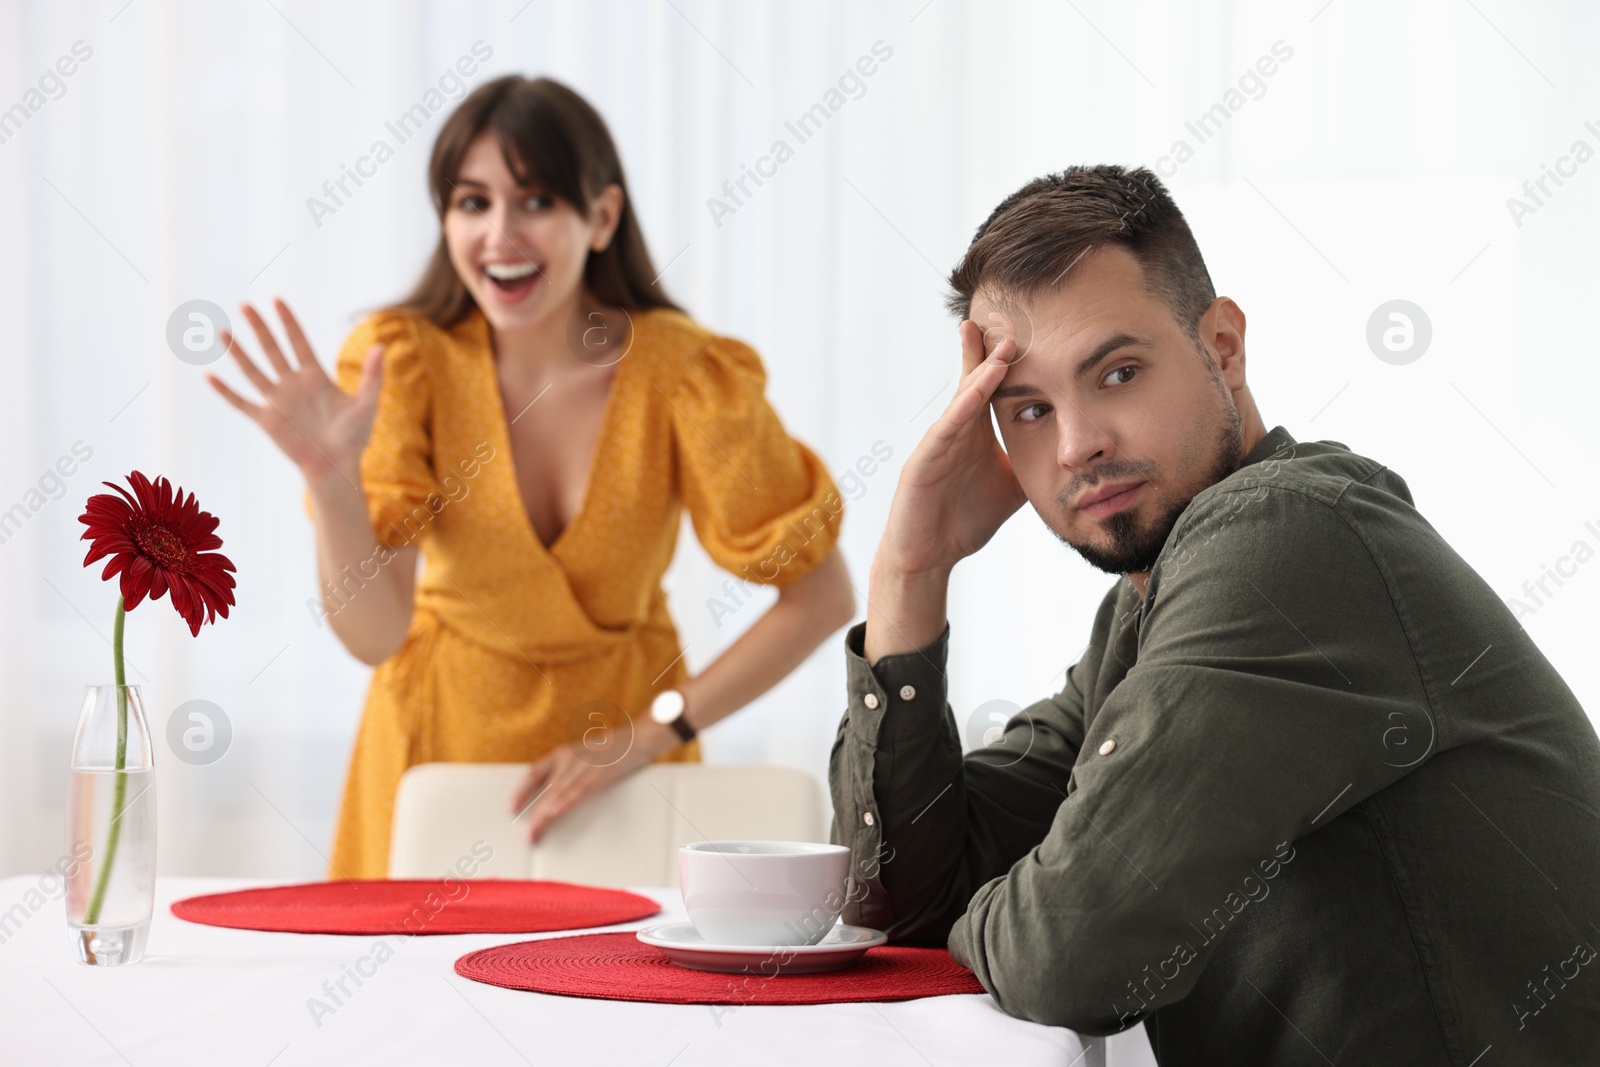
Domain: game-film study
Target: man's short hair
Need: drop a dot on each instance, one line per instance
(1038, 232)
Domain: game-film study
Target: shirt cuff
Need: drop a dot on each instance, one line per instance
(914, 680)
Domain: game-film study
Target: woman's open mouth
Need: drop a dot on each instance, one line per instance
(512, 282)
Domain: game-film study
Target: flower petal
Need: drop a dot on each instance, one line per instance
(159, 543)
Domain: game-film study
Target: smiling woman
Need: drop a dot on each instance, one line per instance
(538, 630)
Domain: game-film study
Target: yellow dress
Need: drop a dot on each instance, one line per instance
(513, 645)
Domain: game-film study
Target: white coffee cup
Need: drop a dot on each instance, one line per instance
(779, 893)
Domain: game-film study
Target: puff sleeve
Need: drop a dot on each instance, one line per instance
(397, 466)
(762, 503)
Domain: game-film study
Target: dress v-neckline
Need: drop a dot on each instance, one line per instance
(503, 427)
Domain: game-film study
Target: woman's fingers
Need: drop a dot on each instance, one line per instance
(297, 337)
(545, 812)
(252, 410)
(269, 343)
(554, 803)
(570, 782)
(554, 785)
(532, 783)
(246, 364)
(371, 383)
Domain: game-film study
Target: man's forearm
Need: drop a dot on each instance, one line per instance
(905, 611)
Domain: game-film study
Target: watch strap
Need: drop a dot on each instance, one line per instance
(681, 727)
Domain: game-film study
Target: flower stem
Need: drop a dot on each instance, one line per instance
(92, 915)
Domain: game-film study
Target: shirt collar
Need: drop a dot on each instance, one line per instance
(1275, 439)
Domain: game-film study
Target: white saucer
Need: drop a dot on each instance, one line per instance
(682, 944)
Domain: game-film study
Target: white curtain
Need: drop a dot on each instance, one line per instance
(174, 163)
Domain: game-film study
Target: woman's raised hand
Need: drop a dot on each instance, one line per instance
(319, 426)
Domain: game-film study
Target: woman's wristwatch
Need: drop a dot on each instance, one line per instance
(667, 709)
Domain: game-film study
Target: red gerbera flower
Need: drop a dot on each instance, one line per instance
(159, 542)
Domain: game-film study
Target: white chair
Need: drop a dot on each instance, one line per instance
(626, 835)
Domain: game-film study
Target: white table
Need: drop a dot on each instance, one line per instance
(208, 995)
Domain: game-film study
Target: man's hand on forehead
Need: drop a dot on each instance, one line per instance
(1002, 319)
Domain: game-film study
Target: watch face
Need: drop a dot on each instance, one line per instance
(667, 706)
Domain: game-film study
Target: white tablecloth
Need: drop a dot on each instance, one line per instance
(212, 996)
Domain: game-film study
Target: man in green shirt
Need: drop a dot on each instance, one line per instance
(1311, 796)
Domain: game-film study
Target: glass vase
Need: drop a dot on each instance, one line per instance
(111, 828)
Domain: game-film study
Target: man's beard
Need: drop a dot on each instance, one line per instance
(1133, 549)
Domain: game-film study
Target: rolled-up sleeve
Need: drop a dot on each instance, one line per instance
(763, 504)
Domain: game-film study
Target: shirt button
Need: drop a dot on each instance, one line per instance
(1108, 746)
(907, 692)
(866, 817)
(870, 700)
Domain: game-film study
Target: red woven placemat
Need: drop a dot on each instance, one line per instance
(426, 906)
(617, 966)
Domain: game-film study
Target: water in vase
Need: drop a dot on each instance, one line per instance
(109, 911)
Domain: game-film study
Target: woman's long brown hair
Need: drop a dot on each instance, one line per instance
(551, 138)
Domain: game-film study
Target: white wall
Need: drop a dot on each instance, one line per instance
(1376, 164)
